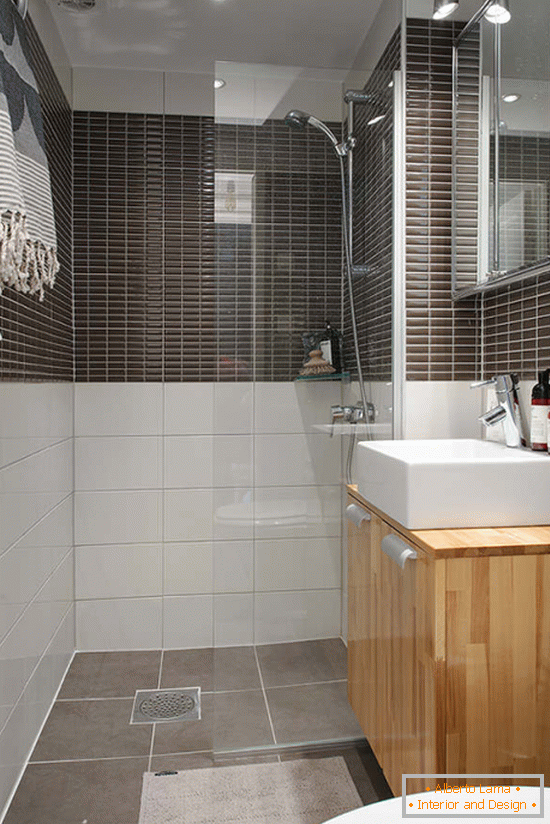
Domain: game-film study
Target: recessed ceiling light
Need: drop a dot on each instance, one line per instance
(376, 120)
(219, 83)
(443, 8)
(511, 98)
(390, 84)
(498, 12)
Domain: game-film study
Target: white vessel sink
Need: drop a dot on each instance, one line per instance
(435, 484)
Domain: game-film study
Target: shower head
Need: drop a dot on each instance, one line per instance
(299, 120)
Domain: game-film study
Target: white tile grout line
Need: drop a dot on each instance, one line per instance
(265, 698)
(97, 758)
(208, 692)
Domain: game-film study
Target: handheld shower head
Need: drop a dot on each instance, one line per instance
(299, 120)
(296, 119)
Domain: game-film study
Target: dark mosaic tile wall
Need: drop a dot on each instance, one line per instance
(150, 305)
(37, 342)
(442, 336)
(144, 247)
(516, 319)
(294, 283)
(516, 329)
(373, 223)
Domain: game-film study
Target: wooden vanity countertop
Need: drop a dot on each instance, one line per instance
(469, 543)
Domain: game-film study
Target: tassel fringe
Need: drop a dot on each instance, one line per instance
(27, 265)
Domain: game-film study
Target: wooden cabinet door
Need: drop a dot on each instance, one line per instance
(498, 677)
(392, 668)
(361, 650)
(404, 636)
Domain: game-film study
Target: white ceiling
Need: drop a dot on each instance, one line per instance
(190, 35)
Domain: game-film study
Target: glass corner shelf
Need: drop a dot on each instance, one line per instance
(333, 376)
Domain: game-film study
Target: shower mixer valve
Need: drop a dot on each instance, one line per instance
(351, 414)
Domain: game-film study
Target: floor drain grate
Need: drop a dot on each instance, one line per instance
(160, 706)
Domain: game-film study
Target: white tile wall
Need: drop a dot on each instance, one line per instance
(188, 567)
(188, 408)
(442, 409)
(292, 616)
(118, 463)
(216, 495)
(118, 517)
(130, 570)
(233, 564)
(233, 514)
(36, 563)
(297, 512)
(188, 514)
(188, 461)
(289, 460)
(284, 407)
(303, 563)
(233, 460)
(233, 408)
(31, 488)
(120, 623)
(118, 409)
(233, 620)
(188, 621)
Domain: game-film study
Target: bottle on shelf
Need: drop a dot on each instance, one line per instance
(331, 347)
(540, 401)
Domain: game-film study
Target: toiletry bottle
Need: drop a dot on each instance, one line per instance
(331, 347)
(539, 413)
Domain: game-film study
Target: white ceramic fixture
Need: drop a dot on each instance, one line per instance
(436, 484)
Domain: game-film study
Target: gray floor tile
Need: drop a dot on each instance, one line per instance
(241, 721)
(186, 736)
(312, 713)
(111, 674)
(91, 729)
(302, 662)
(187, 668)
(230, 721)
(235, 668)
(227, 668)
(98, 792)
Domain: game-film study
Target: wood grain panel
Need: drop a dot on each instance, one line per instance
(392, 644)
(500, 662)
(498, 696)
(450, 657)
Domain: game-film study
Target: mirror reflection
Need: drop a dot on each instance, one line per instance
(502, 149)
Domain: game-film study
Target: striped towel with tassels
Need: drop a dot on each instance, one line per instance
(28, 259)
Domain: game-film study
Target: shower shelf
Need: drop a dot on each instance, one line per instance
(334, 376)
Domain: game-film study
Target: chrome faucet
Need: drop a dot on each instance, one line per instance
(508, 410)
(351, 414)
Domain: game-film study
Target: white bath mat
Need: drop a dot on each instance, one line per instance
(305, 791)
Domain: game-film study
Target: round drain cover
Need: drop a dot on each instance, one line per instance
(166, 705)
